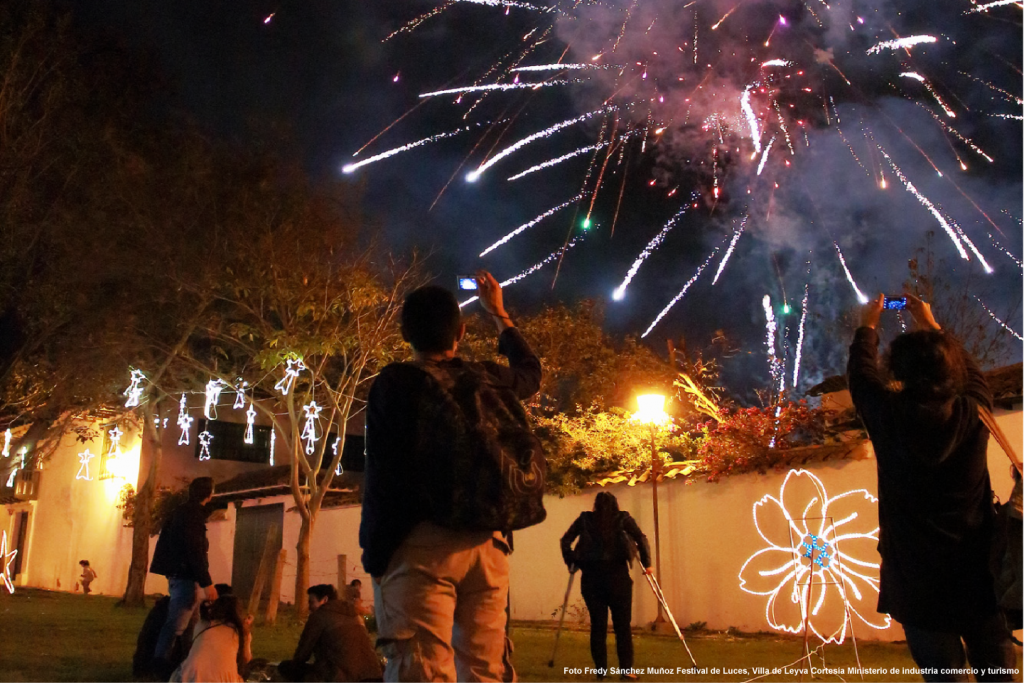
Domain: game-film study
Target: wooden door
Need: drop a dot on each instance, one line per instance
(252, 525)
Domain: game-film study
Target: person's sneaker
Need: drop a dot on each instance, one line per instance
(628, 677)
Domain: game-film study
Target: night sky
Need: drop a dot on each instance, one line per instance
(320, 70)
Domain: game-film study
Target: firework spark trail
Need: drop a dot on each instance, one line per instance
(952, 131)
(785, 129)
(771, 327)
(990, 5)
(565, 157)
(748, 111)
(928, 205)
(569, 67)
(928, 86)
(682, 293)
(530, 224)
(800, 337)
(473, 176)
(764, 157)
(730, 249)
(1005, 93)
(492, 87)
(349, 168)
(993, 316)
(970, 245)
(901, 43)
(1006, 251)
(620, 291)
(849, 276)
(554, 256)
(1014, 117)
(776, 62)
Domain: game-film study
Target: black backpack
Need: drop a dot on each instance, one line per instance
(484, 468)
(591, 550)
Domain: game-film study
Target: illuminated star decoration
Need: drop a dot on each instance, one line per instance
(339, 470)
(205, 439)
(83, 469)
(813, 569)
(134, 390)
(291, 371)
(115, 442)
(240, 394)
(184, 421)
(8, 559)
(250, 417)
(7, 443)
(213, 389)
(308, 435)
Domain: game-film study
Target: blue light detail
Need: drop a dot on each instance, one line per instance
(818, 551)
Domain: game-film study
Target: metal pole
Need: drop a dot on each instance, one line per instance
(561, 619)
(655, 471)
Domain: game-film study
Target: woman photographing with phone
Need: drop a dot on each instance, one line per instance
(934, 495)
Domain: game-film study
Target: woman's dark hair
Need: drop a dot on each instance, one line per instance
(323, 590)
(606, 513)
(930, 364)
(227, 610)
(84, 563)
(431, 319)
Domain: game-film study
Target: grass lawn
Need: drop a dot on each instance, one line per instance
(49, 636)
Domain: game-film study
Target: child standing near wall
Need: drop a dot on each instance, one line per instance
(88, 574)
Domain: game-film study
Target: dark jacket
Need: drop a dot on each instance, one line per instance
(337, 639)
(934, 496)
(181, 550)
(594, 550)
(393, 501)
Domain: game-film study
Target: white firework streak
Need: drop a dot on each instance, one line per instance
(648, 250)
(474, 175)
(849, 276)
(681, 294)
(730, 249)
(565, 157)
(1006, 251)
(900, 43)
(990, 5)
(928, 86)
(927, 204)
(535, 221)
(567, 67)
(488, 87)
(776, 62)
(554, 256)
(993, 316)
(771, 327)
(970, 245)
(764, 157)
(755, 134)
(800, 338)
(1014, 117)
(955, 133)
(349, 168)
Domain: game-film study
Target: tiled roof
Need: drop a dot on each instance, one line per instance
(275, 481)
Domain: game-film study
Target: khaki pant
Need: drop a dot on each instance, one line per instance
(441, 606)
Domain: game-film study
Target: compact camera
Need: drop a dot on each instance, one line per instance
(894, 303)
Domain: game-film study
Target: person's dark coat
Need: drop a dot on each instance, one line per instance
(336, 638)
(181, 551)
(591, 551)
(934, 496)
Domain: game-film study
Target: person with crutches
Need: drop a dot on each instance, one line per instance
(609, 539)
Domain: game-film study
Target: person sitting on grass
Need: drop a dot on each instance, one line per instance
(221, 650)
(337, 640)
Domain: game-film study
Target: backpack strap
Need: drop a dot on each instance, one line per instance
(997, 433)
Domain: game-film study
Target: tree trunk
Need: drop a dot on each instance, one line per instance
(135, 591)
(302, 568)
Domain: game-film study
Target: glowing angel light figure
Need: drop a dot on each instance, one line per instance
(813, 569)
(339, 470)
(115, 442)
(83, 468)
(7, 559)
(213, 389)
(250, 421)
(7, 443)
(184, 421)
(205, 439)
(240, 394)
(308, 435)
(291, 371)
(134, 390)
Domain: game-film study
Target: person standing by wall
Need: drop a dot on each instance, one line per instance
(608, 540)
(935, 511)
(88, 575)
(181, 556)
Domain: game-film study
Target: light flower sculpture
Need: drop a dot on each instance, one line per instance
(818, 569)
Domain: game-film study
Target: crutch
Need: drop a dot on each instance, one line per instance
(561, 619)
(656, 587)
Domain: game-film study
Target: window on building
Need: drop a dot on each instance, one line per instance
(228, 442)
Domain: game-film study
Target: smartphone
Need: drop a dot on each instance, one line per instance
(467, 282)
(894, 303)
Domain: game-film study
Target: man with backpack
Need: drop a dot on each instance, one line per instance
(451, 469)
(609, 539)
